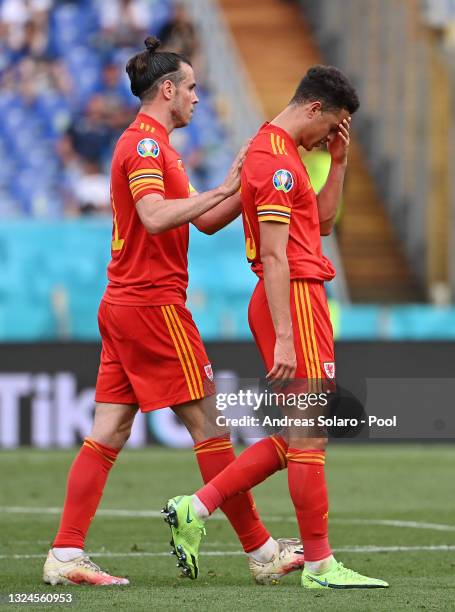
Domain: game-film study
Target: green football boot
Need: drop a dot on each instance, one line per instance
(187, 530)
(340, 577)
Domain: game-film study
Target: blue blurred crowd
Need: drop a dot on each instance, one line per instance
(65, 99)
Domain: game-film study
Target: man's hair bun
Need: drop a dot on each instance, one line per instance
(147, 68)
(152, 43)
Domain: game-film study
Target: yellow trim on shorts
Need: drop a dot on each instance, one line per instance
(190, 350)
(183, 361)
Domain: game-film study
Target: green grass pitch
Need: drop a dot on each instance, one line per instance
(392, 516)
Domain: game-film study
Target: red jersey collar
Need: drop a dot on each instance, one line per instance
(159, 129)
(270, 127)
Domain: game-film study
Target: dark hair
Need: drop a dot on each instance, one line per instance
(149, 68)
(328, 85)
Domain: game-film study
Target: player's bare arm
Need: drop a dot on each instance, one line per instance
(219, 216)
(274, 239)
(158, 214)
(329, 197)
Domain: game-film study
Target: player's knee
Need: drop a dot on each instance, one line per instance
(112, 424)
(200, 419)
(122, 438)
(198, 435)
(284, 433)
(112, 435)
(201, 434)
(123, 433)
(305, 443)
(111, 439)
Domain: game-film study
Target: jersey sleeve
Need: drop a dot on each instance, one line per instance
(144, 166)
(274, 186)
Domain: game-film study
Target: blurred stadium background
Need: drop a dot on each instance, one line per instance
(64, 99)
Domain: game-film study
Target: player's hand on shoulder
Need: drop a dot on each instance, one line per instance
(284, 360)
(231, 183)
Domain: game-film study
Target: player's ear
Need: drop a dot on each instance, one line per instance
(313, 109)
(168, 89)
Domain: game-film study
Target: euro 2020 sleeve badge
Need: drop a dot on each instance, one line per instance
(148, 147)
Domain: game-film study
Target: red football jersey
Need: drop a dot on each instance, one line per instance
(276, 187)
(145, 269)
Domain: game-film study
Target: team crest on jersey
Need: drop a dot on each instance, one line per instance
(208, 371)
(148, 147)
(180, 164)
(329, 369)
(283, 180)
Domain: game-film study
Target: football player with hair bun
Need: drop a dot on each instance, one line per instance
(152, 354)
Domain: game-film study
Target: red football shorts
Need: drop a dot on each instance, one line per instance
(152, 356)
(313, 334)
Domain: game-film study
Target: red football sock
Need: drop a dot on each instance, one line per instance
(213, 455)
(308, 491)
(86, 480)
(231, 479)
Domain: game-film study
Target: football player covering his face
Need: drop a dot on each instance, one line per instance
(283, 221)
